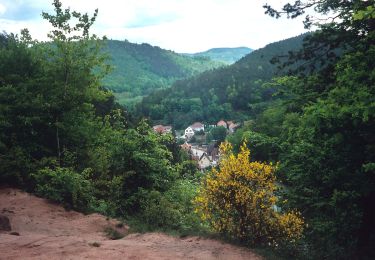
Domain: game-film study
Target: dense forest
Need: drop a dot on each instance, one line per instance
(232, 92)
(298, 179)
(139, 69)
(226, 55)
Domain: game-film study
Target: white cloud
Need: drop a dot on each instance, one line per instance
(180, 25)
(2, 9)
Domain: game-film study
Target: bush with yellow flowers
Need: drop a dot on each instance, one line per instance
(239, 200)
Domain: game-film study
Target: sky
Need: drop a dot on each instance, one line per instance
(184, 26)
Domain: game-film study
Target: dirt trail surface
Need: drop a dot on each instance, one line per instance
(42, 230)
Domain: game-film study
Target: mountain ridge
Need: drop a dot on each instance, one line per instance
(228, 55)
(233, 92)
(139, 69)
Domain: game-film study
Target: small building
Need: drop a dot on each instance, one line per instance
(189, 132)
(232, 126)
(197, 126)
(161, 129)
(197, 152)
(204, 161)
(222, 123)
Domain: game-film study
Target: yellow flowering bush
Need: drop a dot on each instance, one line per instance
(239, 200)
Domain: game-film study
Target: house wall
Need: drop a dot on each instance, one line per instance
(204, 163)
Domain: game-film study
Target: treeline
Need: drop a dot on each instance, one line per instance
(232, 93)
(139, 69)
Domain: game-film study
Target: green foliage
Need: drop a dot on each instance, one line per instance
(263, 147)
(189, 170)
(219, 133)
(335, 135)
(170, 211)
(139, 69)
(327, 131)
(63, 137)
(65, 186)
(230, 92)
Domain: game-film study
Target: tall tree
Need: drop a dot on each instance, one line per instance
(48, 91)
(74, 67)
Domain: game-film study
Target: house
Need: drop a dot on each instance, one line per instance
(204, 161)
(189, 132)
(197, 152)
(162, 129)
(232, 126)
(197, 126)
(157, 128)
(167, 129)
(222, 123)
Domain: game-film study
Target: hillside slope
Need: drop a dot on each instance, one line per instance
(139, 69)
(232, 92)
(48, 231)
(226, 55)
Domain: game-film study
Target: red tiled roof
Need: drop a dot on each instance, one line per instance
(197, 125)
(222, 123)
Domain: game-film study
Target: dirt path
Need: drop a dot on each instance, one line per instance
(48, 231)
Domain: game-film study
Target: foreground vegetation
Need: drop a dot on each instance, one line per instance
(63, 137)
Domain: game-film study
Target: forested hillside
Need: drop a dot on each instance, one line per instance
(226, 55)
(139, 69)
(298, 179)
(232, 92)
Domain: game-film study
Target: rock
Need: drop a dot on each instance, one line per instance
(14, 233)
(4, 223)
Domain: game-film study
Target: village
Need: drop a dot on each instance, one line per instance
(201, 142)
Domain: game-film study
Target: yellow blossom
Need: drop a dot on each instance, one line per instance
(239, 200)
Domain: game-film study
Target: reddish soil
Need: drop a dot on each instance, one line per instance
(42, 230)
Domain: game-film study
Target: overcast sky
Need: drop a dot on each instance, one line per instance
(178, 25)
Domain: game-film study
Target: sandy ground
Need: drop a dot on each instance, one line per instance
(48, 231)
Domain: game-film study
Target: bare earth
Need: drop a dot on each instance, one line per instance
(48, 231)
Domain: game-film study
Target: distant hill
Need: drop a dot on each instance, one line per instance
(226, 55)
(231, 92)
(140, 69)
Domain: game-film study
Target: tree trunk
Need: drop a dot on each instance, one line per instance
(58, 142)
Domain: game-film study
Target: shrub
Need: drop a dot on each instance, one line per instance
(239, 200)
(158, 212)
(172, 210)
(65, 186)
